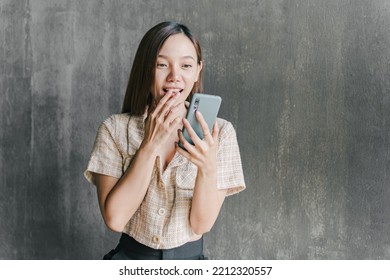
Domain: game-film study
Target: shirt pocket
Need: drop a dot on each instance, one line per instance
(185, 176)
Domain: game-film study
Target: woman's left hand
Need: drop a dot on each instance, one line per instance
(207, 199)
(204, 151)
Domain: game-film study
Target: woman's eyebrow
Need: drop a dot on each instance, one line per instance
(185, 56)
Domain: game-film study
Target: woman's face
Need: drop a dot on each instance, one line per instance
(176, 68)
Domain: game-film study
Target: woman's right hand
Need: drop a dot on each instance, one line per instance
(163, 120)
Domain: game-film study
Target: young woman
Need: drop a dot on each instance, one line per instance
(161, 197)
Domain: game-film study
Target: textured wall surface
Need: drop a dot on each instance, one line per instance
(304, 82)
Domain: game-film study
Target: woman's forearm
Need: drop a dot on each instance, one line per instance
(128, 193)
(206, 202)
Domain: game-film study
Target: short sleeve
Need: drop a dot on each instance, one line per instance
(230, 175)
(105, 157)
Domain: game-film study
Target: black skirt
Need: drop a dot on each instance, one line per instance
(130, 249)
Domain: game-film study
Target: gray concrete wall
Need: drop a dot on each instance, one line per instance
(305, 83)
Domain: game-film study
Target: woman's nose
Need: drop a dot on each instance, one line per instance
(174, 75)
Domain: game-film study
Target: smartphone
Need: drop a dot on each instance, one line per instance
(208, 105)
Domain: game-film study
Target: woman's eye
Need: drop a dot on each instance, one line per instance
(187, 66)
(161, 65)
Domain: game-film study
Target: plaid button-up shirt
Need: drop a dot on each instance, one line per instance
(162, 220)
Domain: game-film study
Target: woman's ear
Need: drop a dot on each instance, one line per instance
(200, 66)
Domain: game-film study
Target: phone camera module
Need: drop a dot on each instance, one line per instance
(196, 104)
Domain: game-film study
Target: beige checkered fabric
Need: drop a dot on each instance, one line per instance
(162, 220)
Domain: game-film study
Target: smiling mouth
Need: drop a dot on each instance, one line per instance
(172, 89)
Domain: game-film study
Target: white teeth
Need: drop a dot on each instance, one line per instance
(172, 90)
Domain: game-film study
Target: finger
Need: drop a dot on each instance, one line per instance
(215, 132)
(173, 115)
(185, 154)
(153, 106)
(173, 122)
(176, 101)
(203, 124)
(173, 103)
(162, 102)
(194, 137)
(169, 105)
(181, 151)
(190, 148)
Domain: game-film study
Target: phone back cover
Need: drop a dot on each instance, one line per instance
(209, 106)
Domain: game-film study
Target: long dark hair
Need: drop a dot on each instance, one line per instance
(143, 71)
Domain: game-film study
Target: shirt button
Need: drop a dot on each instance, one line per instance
(156, 239)
(161, 211)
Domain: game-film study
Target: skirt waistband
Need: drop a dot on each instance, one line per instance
(189, 250)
